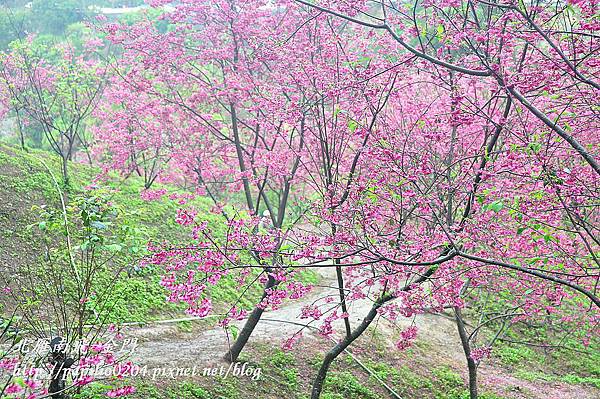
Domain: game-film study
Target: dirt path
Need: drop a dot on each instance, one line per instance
(165, 345)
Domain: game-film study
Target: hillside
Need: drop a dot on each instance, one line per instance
(27, 187)
(433, 368)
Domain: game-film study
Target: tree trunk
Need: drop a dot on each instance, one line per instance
(234, 351)
(20, 130)
(343, 344)
(358, 331)
(65, 171)
(340, 280)
(472, 366)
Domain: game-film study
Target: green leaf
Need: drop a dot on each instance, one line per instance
(234, 331)
(534, 260)
(440, 32)
(535, 147)
(85, 217)
(352, 125)
(496, 206)
(286, 247)
(19, 381)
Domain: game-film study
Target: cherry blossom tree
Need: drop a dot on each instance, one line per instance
(253, 105)
(54, 88)
(533, 51)
(427, 156)
(135, 134)
(499, 48)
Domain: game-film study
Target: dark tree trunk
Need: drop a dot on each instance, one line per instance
(362, 327)
(235, 349)
(60, 368)
(340, 280)
(65, 170)
(342, 345)
(20, 129)
(471, 364)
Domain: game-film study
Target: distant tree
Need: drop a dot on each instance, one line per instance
(14, 23)
(54, 88)
(136, 134)
(53, 16)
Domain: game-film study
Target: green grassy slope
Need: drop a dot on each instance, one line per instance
(26, 184)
